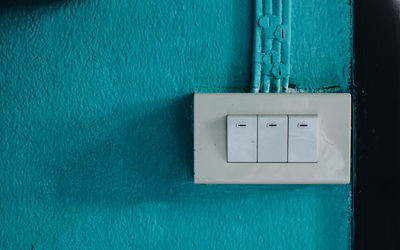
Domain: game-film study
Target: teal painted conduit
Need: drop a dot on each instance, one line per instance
(271, 48)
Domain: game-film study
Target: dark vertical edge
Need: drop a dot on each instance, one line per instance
(353, 121)
(376, 180)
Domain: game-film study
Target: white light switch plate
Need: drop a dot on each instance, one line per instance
(303, 138)
(242, 138)
(272, 138)
(333, 141)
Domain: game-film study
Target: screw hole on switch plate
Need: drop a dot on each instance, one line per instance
(302, 125)
(241, 125)
(272, 125)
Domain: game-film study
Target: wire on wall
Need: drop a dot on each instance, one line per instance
(271, 48)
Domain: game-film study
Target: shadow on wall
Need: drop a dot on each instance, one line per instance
(144, 158)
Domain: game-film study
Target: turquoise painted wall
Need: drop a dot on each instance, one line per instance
(96, 126)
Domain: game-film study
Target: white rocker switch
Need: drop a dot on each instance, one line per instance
(241, 138)
(303, 138)
(272, 138)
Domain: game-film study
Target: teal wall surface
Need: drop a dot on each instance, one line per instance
(96, 126)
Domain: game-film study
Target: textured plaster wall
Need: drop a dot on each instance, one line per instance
(96, 126)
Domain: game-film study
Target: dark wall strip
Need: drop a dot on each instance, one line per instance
(377, 80)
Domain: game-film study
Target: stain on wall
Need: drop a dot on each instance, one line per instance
(96, 126)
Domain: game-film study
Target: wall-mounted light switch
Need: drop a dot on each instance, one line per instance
(242, 138)
(246, 138)
(303, 138)
(272, 138)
